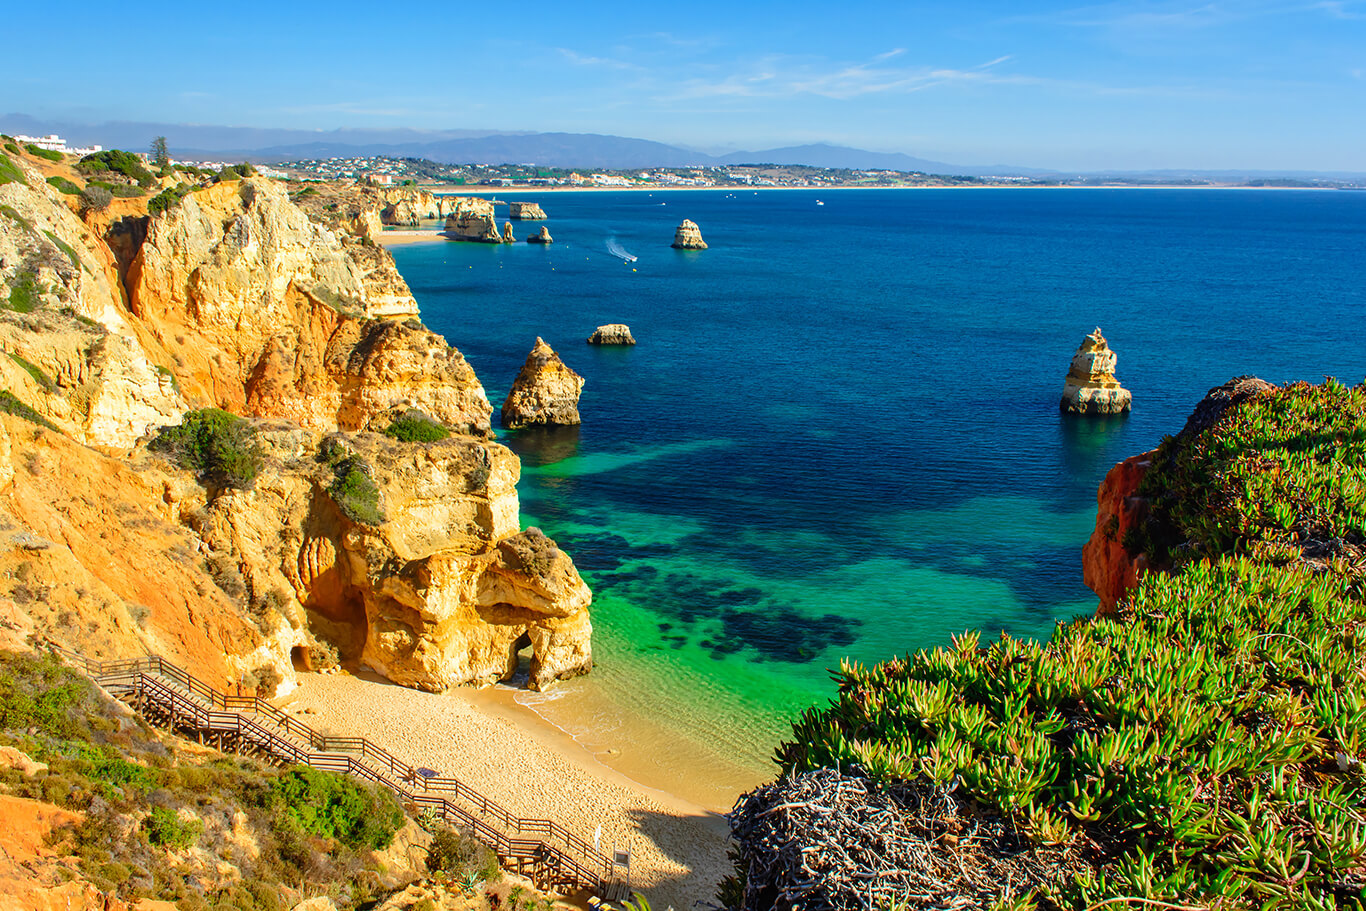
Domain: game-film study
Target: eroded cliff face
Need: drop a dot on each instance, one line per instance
(1108, 569)
(234, 298)
(74, 356)
(444, 590)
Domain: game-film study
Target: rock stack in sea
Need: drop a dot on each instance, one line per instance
(1091, 387)
(470, 218)
(507, 233)
(688, 236)
(612, 334)
(526, 211)
(542, 238)
(545, 391)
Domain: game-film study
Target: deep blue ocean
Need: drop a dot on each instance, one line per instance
(839, 433)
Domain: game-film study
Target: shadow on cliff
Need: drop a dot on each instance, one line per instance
(696, 843)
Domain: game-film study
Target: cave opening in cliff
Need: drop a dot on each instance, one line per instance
(300, 658)
(519, 660)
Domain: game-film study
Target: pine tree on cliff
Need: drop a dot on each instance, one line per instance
(161, 156)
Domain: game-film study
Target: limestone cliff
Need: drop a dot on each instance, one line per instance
(525, 211)
(471, 218)
(507, 233)
(688, 236)
(263, 311)
(442, 590)
(545, 391)
(74, 356)
(541, 237)
(234, 297)
(1091, 387)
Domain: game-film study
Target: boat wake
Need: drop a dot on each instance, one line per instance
(618, 251)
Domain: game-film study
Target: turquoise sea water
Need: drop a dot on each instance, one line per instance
(838, 435)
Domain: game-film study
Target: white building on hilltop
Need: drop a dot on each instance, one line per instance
(54, 143)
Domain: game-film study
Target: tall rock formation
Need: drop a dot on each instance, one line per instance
(545, 391)
(688, 237)
(263, 311)
(541, 237)
(508, 237)
(471, 218)
(1091, 387)
(612, 334)
(525, 211)
(443, 590)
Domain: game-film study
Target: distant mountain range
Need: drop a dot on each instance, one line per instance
(558, 150)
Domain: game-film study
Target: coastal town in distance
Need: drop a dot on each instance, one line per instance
(386, 171)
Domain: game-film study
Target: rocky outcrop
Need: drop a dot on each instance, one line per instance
(1091, 387)
(542, 237)
(347, 373)
(256, 308)
(1108, 568)
(688, 237)
(508, 237)
(407, 206)
(471, 218)
(442, 590)
(545, 391)
(525, 211)
(612, 334)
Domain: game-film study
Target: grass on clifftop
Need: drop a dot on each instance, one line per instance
(1204, 748)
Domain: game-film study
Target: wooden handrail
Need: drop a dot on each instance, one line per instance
(225, 713)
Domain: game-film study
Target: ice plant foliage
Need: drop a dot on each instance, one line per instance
(1203, 747)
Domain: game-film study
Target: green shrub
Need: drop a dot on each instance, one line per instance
(460, 854)
(336, 806)
(39, 152)
(38, 691)
(34, 371)
(63, 185)
(1205, 746)
(236, 172)
(354, 491)
(118, 161)
(10, 172)
(415, 427)
(1281, 469)
(220, 446)
(168, 198)
(11, 148)
(25, 293)
(10, 404)
(165, 828)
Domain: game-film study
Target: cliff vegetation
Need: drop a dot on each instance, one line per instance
(1201, 747)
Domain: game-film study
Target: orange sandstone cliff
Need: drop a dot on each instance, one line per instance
(119, 322)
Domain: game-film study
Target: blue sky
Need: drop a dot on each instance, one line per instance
(1276, 84)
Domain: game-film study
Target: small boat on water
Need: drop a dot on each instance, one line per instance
(819, 203)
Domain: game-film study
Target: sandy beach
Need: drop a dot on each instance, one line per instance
(678, 849)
